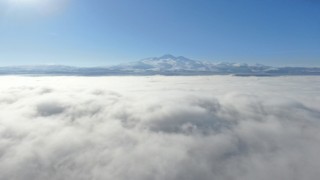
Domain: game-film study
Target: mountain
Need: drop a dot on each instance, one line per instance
(164, 65)
(173, 64)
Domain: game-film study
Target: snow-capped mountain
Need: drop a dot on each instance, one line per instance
(164, 65)
(172, 64)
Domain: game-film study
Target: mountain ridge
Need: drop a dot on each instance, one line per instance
(164, 65)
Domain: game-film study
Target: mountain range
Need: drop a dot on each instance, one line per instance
(164, 65)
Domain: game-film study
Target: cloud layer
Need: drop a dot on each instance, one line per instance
(142, 128)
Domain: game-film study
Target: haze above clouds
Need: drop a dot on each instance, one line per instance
(142, 128)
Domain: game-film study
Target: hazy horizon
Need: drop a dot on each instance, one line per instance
(137, 60)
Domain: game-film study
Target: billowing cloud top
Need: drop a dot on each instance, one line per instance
(142, 128)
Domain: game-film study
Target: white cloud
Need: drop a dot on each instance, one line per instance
(211, 127)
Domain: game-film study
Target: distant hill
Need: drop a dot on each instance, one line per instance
(164, 65)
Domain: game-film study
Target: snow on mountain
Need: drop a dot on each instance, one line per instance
(164, 63)
(170, 63)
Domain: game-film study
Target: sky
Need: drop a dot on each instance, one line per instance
(107, 32)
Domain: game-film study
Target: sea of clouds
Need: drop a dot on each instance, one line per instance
(159, 128)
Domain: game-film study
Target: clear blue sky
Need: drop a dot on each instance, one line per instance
(104, 32)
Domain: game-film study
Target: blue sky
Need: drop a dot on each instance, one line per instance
(104, 32)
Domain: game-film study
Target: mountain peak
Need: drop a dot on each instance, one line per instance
(168, 56)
